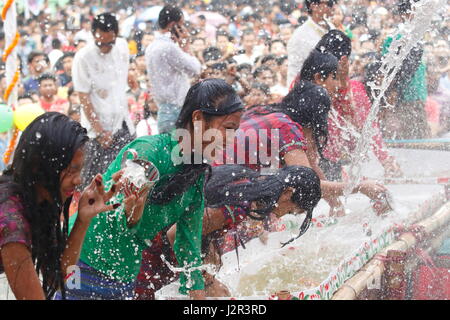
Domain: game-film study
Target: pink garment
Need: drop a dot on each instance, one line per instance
(350, 111)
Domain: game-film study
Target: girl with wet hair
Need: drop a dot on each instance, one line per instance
(35, 194)
(111, 255)
(292, 189)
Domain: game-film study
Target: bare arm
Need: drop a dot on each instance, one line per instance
(331, 189)
(20, 271)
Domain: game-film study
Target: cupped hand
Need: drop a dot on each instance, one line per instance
(134, 203)
(94, 198)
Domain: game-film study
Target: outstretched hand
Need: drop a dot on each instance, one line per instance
(94, 197)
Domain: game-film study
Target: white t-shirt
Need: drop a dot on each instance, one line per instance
(104, 77)
(169, 69)
(299, 46)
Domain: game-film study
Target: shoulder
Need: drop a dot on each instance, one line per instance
(155, 148)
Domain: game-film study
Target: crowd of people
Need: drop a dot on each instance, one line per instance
(111, 83)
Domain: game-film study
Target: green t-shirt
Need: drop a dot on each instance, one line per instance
(417, 87)
(115, 249)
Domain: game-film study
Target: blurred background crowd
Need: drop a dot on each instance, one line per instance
(242, 41)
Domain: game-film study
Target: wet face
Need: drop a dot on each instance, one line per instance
(220, 126)
(331, 83)
(105, 40)
(48, 88)
(286, 205)
(70, 177)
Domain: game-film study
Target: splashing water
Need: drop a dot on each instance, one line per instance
(411, 33)
(135, 173)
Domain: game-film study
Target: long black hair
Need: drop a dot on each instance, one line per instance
(214, 97)
(45, 149)
(236, 184)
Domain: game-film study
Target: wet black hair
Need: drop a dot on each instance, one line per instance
(45, 149)
(318, 62)
(106, 22)
(335, 42)
(214, 97)
(168, 14)
(235, 184)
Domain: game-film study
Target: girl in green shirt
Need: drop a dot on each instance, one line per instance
(111, 254)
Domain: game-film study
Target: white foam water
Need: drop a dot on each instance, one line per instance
(134, 173)
(411, 33)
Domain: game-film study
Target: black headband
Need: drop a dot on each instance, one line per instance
(231, 105)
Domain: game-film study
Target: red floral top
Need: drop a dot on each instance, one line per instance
(13, 225)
